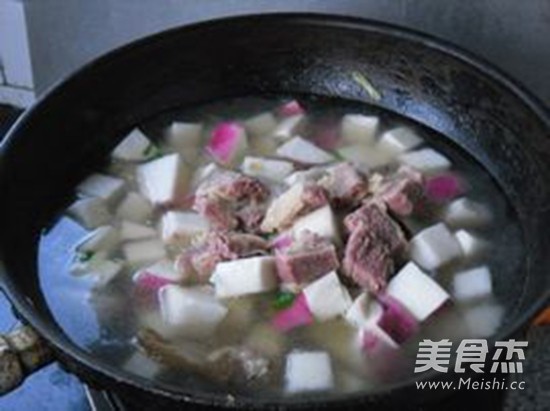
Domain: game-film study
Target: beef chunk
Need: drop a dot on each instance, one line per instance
(375, 243)
(402, 191)
(346, 186)
(309, 257)
(216, 247)
(298, 200)
(225, 195)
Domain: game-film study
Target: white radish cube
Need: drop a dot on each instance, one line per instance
(303, 151)
(261, 125)
(308, 371)
(288, 127)
(399, 140)
(321, 221)
(375, 342)
(327, 298)
(472, 284)
(228, 143)
(90, 212)
(134, 147)
(192, 312)
(275, 170)
(471, 245)
(142, 365)
(312, 174)
(143, 252)
(364, 157)
(184, 137)
(180, 227)
(466, 213)
(205, 172)
(104, 238)
(359, 129)
(245, 276)
(364, 310)
(417, 291)
(134, 207)
(483, 320)
(427, 161)
(164, 181)
(105, 187)
(133, 231)
(434, 247)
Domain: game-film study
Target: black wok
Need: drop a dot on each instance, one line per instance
(70, 130)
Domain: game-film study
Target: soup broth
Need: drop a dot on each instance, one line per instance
(270, 247)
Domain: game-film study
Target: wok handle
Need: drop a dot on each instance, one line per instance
(22, 352)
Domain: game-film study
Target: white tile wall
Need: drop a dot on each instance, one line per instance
(16, 69)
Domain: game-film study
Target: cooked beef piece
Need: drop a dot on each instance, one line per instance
(216, 247)
(250, 217)
(375, 243)
(345, 185)
(221, 197)
(309, 257)
(298, 200)
(402, 191)
(235, 364)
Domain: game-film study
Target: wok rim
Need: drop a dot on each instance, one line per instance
(64, 345)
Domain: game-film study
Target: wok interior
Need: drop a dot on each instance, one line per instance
(70, 132)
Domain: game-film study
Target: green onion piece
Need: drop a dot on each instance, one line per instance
(283, 300)
(366, 84)
(85, 256)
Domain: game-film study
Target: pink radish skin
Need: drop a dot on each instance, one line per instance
(297, 315)
(396, 320)
(281, 242)
(291, 108)
(444, 187)
(227, 142)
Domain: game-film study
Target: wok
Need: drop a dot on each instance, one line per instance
(71, 129)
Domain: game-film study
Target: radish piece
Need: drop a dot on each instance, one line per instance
(105, 187)
(282, 241)
(303, 151)
(89, 212)
(260, 125)
(164, 181)
(274, 170)
(157, 275)
(192, 312)
(434, 247)
(104, 238)
(133, 231)
(205, 172)
(471, 245)
(183, 136)
(359, 129)
(245, 276)
(364, 157)
(427, 161)
(376, 343)
(290, 108)
(321, 221)
(418, 293)
(483, 320)
(142, 365)
(181, 227)
(472, 284)
(134, 147)
(134, 207)
(364, 310)
(143, 252)
(297, 315)
(396, 320)
(466, 213)
(228, 143)
(308, 371)
(326, 297)
(399, 140)
(312, 174)
(288, 127)
(444, 187)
